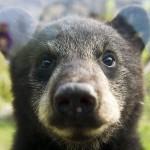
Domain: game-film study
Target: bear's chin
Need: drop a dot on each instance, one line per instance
(79, 142)
(79, 138)
(82, 136)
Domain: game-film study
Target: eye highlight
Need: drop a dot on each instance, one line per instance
(108, 59)
(45, 64)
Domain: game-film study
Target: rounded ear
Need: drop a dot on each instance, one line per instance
(21, 26)
(133, 24)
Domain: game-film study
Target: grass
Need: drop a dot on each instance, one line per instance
(145, 135)
(7, 129)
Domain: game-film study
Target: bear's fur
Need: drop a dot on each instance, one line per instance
(73, 50)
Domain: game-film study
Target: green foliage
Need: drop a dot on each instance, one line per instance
(144, 128)
(145, 135)
(110, 8)
(5, 84)
(145, 56)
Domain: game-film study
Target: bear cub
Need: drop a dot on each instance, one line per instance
(78, 84)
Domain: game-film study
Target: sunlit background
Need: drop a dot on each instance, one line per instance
(46, 10)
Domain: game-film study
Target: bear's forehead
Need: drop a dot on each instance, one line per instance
(78, 34)
(81, 28)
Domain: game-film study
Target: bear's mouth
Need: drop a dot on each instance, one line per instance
(88, 122)
(78, 135)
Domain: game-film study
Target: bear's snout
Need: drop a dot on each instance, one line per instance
(75, 100)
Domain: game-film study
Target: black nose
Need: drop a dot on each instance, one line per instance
(75, 99)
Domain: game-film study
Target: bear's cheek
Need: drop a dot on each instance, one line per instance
(109, 110)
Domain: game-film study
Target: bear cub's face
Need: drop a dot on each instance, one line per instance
(78, 69)
(83, 73)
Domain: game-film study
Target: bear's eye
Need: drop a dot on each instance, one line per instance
(45, 64)
(108, 59)
(45, 68)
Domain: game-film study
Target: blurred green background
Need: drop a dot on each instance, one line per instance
(7, 124)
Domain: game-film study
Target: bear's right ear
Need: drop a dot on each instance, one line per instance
(133, 24)
(20, 27)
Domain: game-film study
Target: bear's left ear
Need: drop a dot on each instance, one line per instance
(133, 24)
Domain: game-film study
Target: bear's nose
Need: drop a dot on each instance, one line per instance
(75, 99)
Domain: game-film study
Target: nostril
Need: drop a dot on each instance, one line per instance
(87, 102)
(62, 104)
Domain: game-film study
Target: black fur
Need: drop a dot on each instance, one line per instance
(76, 46)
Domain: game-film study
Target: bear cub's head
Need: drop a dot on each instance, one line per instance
(80, 79)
